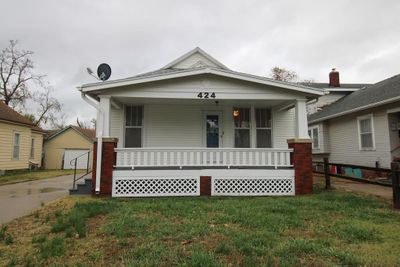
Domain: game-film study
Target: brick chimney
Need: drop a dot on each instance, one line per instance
(334, 78)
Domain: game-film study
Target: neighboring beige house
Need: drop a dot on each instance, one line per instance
(21, 142)
(63, 146)
(362, 128)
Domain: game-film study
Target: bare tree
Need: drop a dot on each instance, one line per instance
(82, 124)
(17, 82)
(58, 122)
(16, 71)
(48, 107)
(282, 74)
(93, 122)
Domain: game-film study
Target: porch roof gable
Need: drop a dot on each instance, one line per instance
(165, 74)
(200, 58)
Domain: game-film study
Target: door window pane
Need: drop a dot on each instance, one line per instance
(212, 131)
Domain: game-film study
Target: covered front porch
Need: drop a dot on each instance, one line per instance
(189, 148)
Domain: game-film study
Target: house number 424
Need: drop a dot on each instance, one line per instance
(206, 95)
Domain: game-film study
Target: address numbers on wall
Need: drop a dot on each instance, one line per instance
(205, 95)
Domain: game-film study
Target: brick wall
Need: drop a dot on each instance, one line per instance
(107, 165)
(205, 185)
(302, 164)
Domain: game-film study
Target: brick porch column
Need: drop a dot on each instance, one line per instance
(302, 164)
(107, 164)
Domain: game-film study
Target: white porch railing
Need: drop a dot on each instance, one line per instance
(203, 157)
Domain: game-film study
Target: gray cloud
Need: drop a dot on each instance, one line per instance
(360, 38)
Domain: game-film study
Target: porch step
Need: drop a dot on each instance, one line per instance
(82, 188)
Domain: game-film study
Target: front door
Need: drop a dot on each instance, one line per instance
(212, 130)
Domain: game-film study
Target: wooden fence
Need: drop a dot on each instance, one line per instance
(392, 174)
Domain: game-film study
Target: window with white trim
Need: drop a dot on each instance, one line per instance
(313, 132)
(16, 142)
(133, 126)
(32, 154)
(241, 118)
(263, 127)
(366, 132)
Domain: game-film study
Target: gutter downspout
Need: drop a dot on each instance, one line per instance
(93, 103)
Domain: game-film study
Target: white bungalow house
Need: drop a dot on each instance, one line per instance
(196, 127)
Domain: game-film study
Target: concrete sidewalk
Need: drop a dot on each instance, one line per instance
(21, 199)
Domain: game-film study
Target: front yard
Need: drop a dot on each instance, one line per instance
(324, 229)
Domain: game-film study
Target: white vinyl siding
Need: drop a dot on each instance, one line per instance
(344, 140)
(117, 124)
(284, 127)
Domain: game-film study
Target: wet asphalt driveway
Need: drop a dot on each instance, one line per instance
(21, 199)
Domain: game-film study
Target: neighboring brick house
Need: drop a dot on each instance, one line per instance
(21, 142)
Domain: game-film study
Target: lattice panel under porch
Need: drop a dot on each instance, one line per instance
(252, 186)
(155, 186)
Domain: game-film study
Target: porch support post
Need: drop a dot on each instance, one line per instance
(102, 176)
(302, 151)
(301, 119)
(302, 165)
(105, 103)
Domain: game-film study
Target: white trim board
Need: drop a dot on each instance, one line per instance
(202, 70)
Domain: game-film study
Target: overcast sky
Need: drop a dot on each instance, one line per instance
(360, 38)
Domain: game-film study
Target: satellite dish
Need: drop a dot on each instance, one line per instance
(104, 71)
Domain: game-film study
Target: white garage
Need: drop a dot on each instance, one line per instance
(71, 154)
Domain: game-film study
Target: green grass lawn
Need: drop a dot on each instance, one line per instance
(19, 176)
(324, 229)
